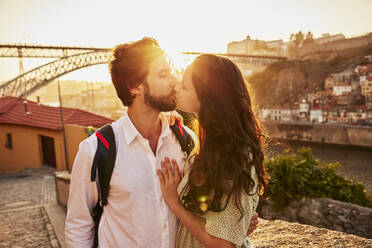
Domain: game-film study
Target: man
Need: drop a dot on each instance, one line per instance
(136, 214)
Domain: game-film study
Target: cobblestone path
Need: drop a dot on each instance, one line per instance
(23, 219)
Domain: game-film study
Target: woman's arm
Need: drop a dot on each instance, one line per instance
(196, 226)
(169, 180)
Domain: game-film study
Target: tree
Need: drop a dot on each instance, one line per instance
(293, 176)
(356, 99)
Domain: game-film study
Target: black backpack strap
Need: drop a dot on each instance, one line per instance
(103, 164)
(183, 137)
(107, 138)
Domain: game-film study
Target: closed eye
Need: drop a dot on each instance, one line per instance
(164, 73)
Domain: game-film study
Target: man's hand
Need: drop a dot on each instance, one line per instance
(253, 224)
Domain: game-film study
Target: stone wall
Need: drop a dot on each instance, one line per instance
(62, 181)
(279, 234)
(320, 133)
(335, 46)
(323, 212)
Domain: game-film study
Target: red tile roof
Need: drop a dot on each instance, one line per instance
(358, 107)
(342, 85)
(6, 103)
(12, 111)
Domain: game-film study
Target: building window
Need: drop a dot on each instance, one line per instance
(9, 141)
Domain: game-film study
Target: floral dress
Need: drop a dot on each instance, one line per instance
(227, 224)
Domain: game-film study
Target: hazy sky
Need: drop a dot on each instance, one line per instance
(192, 25)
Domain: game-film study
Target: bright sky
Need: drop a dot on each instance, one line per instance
(192, 25)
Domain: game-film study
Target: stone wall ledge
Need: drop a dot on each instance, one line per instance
(283, 234)
(323, 212)
(62, 187)
(321, 133)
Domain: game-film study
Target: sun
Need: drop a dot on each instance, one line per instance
(179, 61)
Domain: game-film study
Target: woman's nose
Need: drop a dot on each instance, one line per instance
(178, 85)
(174, 81)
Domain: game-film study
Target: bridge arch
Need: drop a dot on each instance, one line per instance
(29, 82)
(74, 58)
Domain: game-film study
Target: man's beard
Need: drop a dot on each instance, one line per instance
(161, 103)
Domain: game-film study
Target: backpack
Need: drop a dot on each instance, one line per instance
(104, 162)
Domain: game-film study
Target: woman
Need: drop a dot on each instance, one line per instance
(219, 192)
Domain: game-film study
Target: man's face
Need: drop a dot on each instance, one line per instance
(159, 92)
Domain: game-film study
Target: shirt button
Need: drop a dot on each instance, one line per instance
(161, 199)
(165, 226)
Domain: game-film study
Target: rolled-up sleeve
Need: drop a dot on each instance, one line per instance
(79, 228)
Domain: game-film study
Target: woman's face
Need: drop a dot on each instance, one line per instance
(186, 97)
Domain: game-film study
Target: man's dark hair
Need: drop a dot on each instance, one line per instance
(129, 65)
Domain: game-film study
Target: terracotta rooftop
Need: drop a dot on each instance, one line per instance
(12, 111)
(342, 85)
(285, 107)
(364, 68)
(357, 107)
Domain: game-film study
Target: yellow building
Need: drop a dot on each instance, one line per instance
(367, 87)
(329, 83)
(31, 134)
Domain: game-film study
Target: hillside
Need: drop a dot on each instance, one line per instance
(289, 81)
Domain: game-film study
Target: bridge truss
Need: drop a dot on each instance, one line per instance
(73, 58)
(31, 81)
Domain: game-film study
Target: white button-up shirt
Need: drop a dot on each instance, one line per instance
(136, 214)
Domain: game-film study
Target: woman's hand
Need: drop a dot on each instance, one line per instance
(169, 177)
(173, 116)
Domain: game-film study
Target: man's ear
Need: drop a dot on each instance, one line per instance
(138, 90)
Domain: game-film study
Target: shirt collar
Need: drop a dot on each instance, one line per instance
(165, 129)
(131, 131)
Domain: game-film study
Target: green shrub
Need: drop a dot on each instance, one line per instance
(293, 176)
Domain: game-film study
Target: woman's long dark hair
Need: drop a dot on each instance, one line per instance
(229, 135)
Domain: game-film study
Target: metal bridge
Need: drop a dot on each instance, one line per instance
(69, 59)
